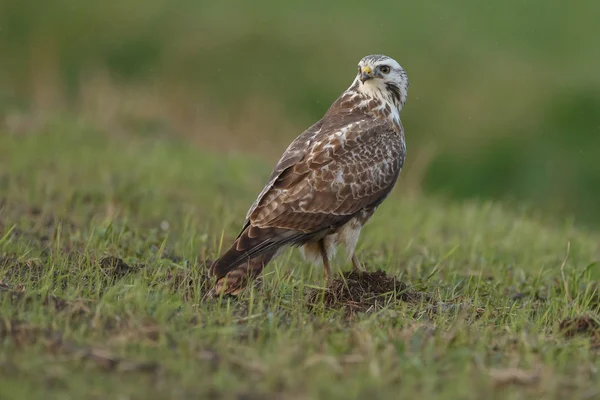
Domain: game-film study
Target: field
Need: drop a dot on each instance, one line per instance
(135, 134)
(104, 240)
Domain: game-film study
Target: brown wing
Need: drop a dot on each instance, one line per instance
(338, 167)
(294, 154)
(345, 169)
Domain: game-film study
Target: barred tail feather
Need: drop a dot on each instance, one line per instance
(245, 259)
(238, 277)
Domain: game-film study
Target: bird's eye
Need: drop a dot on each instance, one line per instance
(384, 69)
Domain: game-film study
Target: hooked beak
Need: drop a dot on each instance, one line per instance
(366, 74)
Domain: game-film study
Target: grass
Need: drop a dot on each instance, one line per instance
(103, 246)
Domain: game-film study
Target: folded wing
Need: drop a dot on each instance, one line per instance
(327, 175)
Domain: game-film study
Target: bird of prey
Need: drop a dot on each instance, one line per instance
(328, 182)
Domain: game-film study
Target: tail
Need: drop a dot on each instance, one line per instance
(253, 249)
(234, 281)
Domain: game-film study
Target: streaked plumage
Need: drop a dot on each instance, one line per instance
(329, 181)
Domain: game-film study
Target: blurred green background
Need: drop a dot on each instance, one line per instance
(504, 99)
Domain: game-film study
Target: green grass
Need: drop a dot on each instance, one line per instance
(72, 326)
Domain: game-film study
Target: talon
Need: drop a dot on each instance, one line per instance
(356, 264)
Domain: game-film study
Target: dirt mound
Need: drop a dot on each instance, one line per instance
(585, 325)
(14, 268)
(115, 268)
(364, 291)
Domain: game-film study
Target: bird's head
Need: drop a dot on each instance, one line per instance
(379, 74)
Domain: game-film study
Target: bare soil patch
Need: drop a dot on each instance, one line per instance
(582, 325)
(364, 291)
(115, 268)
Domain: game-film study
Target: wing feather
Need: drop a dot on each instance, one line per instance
(329, 175)
(294, 154)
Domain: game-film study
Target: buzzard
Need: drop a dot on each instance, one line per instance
(328, 182)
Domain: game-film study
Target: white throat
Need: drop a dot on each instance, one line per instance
(375, 93)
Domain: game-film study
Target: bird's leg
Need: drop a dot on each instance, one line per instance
(356, 264)
(325, 260)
